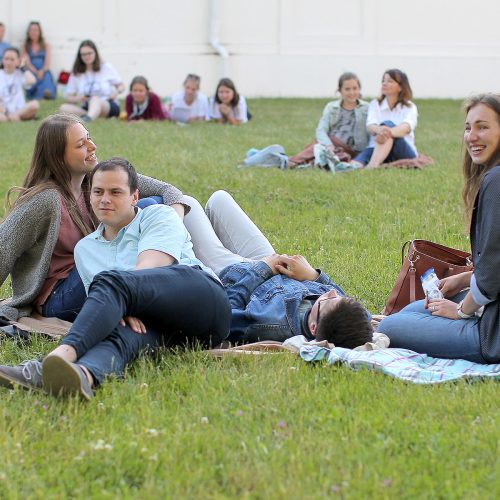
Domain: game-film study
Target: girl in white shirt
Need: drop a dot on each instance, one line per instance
(227, 106)
(93, 86)
(189, 104)
(391, 120)
(13, 82)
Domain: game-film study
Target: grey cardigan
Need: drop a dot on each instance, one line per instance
(329, 119)
(485, 244)
(28, 236)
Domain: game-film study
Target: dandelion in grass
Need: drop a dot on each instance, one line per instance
(100, 444)
(204, 420)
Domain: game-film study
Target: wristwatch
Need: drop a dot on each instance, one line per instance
(460, 313)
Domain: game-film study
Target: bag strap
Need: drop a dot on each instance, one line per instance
(405, 244)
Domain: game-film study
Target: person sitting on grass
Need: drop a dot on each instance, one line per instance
(145, 289)
(342, 127)
(391, 121)
(93, 86)
(14, 79)
(50, 215)
(273, 297)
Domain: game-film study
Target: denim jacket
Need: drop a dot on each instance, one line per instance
(266, 306)
(329, 119)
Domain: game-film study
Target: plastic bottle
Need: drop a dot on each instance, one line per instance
(430, 284)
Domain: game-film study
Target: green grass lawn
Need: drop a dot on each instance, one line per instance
(187, 426)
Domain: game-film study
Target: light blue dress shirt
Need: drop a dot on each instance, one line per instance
(157, 227)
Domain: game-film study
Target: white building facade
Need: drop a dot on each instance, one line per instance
(277, 48)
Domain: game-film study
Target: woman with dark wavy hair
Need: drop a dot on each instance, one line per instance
(466, 322)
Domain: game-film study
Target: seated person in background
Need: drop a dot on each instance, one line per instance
(342, 124)
(93, 86)
(189, 104)
(13, 82)
(3, 43)
(392, 119)
(145, 289)
(36, 52)
(142, 104)
(273, 297)
(227, 106)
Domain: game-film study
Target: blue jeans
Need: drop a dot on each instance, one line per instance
(400, 149)
(178, 304)
(66, 299)
(415, 328)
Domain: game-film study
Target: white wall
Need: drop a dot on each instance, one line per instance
(449, 48)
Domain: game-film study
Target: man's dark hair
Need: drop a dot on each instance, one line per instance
(346, 324)
(117, 163)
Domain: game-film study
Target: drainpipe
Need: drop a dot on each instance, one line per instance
(214, 40)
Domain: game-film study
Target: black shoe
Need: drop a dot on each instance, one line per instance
(27, 375)
(86, 118)
(62, 378)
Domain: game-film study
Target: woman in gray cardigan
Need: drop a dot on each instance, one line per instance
(342, 124)
(49, 216)
(468, 325)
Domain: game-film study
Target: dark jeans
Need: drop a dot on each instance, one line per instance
(400, 150)
(178, 304)
(66, 299)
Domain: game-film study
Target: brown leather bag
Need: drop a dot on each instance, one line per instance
(422, 255)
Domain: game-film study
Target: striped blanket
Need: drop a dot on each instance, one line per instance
(403, 364)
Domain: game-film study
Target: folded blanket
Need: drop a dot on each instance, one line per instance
(403, 364)
(419, 162)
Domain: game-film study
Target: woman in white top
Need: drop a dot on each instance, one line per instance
(189, 105)
(391, 120)
(13, 82)
(93, 86)
(227, 106)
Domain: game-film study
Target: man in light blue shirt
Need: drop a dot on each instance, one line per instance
(147, 231)
(145, 288)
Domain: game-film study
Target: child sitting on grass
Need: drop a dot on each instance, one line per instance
(13, 81)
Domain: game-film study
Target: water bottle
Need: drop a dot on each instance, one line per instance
(430, 284)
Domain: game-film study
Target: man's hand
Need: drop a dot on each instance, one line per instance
(272, 261)
(297, 268)
(135, 324)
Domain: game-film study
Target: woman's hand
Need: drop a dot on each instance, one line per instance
(452, 285)
(442, 307)
(224, 109)
(40, 73)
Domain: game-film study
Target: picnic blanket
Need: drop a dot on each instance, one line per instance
(402, 364)
(419, 162)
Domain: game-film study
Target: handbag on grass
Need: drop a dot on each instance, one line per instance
(420, 256)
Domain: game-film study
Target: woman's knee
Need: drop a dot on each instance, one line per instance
(218, 199)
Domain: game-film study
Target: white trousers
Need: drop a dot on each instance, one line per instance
(223, 234)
